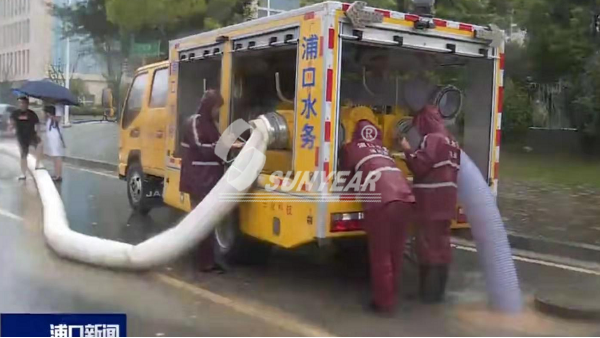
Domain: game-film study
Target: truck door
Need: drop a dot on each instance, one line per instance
(156, 122)
(132, 121)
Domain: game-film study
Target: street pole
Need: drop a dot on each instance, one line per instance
(67, 117)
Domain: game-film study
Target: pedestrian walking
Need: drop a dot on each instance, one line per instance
(54, 143)
(385, 221)
(435, 166)
(25, 124)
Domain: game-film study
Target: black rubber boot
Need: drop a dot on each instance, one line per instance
(432, 283)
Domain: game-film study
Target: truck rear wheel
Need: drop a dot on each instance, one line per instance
(234, 247)
(137, 189)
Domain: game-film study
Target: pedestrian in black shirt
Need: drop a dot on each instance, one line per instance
(25, 122)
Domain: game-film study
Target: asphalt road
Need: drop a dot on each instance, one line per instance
(303, 292)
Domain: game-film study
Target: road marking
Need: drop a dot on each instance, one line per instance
(94, 171)
(269, 315)
(11, 215)
(539, 262)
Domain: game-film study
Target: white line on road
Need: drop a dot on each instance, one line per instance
(539, 262)
(11, 215)
(94, 172)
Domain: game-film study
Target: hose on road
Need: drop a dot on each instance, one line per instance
(161, 248)
(490, 236)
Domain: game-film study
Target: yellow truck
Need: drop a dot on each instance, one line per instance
(322, 68)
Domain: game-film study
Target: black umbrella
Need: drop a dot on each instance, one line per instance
(47, 91)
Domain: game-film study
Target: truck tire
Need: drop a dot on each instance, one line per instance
(137, 187)
(232, 246)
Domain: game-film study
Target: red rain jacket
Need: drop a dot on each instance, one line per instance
(435, 167)
(201, 168)
(369, 156)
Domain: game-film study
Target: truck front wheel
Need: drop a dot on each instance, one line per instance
(137, 189)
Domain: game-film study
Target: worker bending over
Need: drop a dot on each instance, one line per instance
(384, 221)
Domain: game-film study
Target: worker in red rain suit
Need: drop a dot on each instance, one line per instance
(201, 168)
(386, 221)
(435, 168)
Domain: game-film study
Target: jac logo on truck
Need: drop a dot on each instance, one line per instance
(155, 193)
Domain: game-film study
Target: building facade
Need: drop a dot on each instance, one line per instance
(272, 7)
(84, 63)
(25, 39)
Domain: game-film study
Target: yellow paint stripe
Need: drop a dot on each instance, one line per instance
(271, 316)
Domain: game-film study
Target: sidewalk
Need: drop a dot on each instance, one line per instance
(96, 143)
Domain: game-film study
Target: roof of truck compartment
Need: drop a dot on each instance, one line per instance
(332, 5)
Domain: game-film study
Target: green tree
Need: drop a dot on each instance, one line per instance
(518, 110)
(133, 15)
(166, 19)
(87, 20)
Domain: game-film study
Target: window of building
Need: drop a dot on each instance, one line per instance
(19, 63)
(27, 31)
(272, 7)
(27, 61)
(160, 88)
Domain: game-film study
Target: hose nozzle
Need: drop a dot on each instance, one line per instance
(277, 129)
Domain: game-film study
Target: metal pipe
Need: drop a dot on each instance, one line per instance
(278, 89)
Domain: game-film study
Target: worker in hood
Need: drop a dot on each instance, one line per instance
(385, 220)
(435, 166)
(201, 168)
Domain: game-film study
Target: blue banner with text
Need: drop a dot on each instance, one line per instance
(63, 325)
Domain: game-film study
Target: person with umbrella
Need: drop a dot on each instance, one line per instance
(54, 144)
(25, 123)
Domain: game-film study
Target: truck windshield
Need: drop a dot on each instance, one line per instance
(391, 80)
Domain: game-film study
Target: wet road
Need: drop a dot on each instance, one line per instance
(33, 279)
(298, 290)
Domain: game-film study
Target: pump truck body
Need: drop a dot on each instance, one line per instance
(323, 68)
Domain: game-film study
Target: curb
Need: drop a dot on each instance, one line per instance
(92, 164)
(578, 251)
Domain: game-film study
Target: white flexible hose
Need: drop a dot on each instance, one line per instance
(157, 250)
(488, 230)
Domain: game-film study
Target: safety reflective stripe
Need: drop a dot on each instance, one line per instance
(435, 185)
(447, 162)
(378, 170)
(197, 139)
(422, 145)
(203, 145)
(205, 163)
(366, 158)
